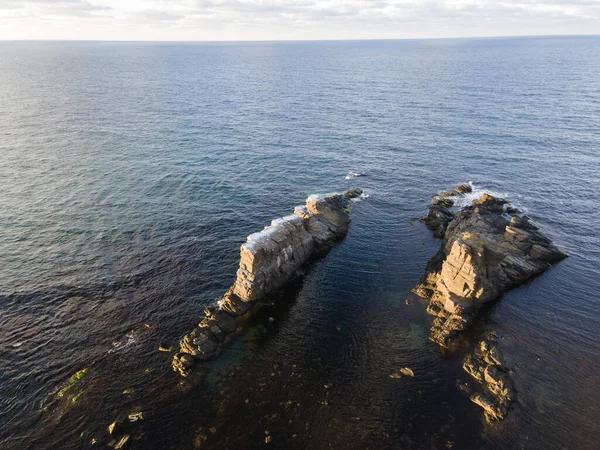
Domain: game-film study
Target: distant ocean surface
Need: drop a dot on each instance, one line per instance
(130, 173)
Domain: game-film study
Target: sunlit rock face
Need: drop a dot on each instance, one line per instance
(485, 252)
(268, 260)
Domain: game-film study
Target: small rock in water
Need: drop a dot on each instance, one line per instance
(271, 319)
(464, 188)
(408, 372)
(404, 371)
(443, 201)
(450, 193)
(123, 442)
(493, 411)
(134, 417)
(113, 427)
(354, 193)
(165, 348)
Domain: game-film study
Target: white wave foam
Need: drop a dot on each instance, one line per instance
(128, 341)
(353, 175)
(362, 197)
(460, 201)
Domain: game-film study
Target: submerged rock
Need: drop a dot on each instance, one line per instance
(484, 253)
(353, 193)
(120, 431)
(123, 442)
(405, 371)
(486, 365)
(493, 412)
(135, 416)
(73, 381)
(200, 344)
(268, 260)
(182, 363)
(115, 427)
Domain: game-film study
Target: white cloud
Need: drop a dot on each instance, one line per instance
(292, 19)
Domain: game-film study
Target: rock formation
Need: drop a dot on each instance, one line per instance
(485, 252)
(486, 366)
(268, 260)
(439, 215)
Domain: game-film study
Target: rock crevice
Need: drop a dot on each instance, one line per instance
(268, 260)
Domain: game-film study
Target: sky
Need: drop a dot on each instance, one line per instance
(218, 20)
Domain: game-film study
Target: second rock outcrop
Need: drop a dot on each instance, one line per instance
(485, 252)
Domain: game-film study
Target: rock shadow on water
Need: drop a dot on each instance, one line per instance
(256, 330)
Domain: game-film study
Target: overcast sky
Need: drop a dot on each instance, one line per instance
(292, 19)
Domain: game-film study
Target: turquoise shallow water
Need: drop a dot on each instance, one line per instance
(130, 173)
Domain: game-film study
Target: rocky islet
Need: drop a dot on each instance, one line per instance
(485, 252)
(268, 260)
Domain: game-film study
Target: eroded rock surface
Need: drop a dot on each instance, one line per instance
(268, 260)
(486, 366)
(485, 252)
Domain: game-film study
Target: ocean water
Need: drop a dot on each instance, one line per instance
(130, 173)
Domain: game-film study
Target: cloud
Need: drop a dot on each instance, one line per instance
(156, 16)
(225, 19)
(53, 8)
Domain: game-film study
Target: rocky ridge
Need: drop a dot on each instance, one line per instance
(268, 260)
(487, 249)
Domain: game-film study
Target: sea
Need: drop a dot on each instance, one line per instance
(131, 173)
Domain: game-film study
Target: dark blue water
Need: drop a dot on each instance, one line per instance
(130, 173)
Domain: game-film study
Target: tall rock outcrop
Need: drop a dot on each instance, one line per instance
(485, 252)
(268, 260)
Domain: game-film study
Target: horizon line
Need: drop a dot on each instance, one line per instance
(516, 36)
